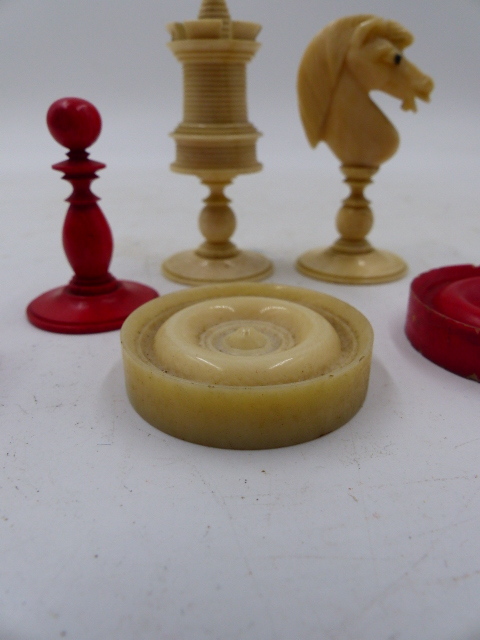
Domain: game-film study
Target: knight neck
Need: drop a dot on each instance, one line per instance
(357, 131)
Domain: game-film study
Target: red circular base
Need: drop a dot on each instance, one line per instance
(443, 318)
(62, 311)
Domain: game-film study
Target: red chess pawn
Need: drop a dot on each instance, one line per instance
(94, 300)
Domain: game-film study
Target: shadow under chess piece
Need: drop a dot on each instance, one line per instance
(345, 61)
(215, 141)
(93, 301)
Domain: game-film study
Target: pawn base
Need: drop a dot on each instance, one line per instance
(62, 311)
(188, 267)
(334, 265)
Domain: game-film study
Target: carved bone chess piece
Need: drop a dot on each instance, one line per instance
(344, 62)
(215, 141)
(93, 301)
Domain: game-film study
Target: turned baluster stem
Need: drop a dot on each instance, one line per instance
(217, 223)
(355, 218)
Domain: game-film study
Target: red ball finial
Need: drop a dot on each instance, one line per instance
(74, 123)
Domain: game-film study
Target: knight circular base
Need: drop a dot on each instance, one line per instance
(372, 267)
(188, 267)
(245, 365)
(61, 311)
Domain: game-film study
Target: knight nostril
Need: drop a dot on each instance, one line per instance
(428, 85)
(424, 88)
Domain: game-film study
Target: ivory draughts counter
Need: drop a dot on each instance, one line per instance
(110, 528)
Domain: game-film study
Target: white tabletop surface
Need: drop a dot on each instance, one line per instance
(112, 529)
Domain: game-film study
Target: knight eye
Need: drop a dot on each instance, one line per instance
(398, 58)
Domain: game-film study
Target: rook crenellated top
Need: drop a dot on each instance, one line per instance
(217, 9)
(214, 23)
(215, 133)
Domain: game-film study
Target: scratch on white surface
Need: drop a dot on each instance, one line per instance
(378, 600)
(220, 500)
(448, 527)
(24, 411)
(373, 557)
(465, 443)
(418, 562)
(323, 556)
(466, 576)
(467, 503)
(433, 479)
(443, 582)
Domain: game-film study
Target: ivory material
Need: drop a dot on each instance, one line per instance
(246, 340)
(247, 366)
(215, 141)
(344, 62)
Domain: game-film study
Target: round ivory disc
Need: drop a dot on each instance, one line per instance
(247, 366)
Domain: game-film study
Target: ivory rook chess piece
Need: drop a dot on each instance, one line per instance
(215, 141)
(345, 61)
(94, 300)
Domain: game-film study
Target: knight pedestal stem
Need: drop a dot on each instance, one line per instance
(352, 259)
